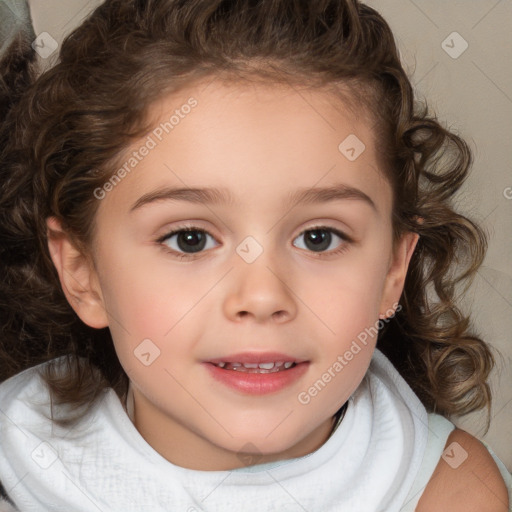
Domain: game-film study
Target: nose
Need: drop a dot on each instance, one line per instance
(259, 290)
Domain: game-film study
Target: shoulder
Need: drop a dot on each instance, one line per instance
(466, 479)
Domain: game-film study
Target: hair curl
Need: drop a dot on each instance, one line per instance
(128, 54)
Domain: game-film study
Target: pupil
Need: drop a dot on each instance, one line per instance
(191, 239)
(320, 238)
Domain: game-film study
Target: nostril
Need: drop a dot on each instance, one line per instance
(279, 316)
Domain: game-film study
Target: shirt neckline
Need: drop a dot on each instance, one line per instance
(123, 414)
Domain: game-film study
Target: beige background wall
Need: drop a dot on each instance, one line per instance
(471, 91)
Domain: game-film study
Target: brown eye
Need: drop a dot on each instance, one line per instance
(188, 241)
(319, 239)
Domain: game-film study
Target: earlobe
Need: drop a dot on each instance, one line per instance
(397, 273)
(77, 276)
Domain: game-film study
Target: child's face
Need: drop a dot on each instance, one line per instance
(258, 285)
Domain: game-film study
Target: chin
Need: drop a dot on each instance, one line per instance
(257, 443)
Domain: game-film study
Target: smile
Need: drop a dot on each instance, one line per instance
(257, 378)
(271, 367)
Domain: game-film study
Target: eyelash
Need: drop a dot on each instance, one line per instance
(184, 256)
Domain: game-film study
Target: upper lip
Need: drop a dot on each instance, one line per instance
(256, 357)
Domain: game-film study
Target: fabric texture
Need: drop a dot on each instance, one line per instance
(379, 457)
(369, 462)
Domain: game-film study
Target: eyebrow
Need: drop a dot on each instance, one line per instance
(223, 196)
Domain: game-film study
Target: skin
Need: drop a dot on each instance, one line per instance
(262, 143)
(474, 486)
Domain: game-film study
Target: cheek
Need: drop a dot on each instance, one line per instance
(145, 300)
(154, 323)
(347, 290)
(149, 294)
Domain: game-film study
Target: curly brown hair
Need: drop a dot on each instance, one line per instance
(64, 135)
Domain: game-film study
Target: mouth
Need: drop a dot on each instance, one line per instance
(257, 373)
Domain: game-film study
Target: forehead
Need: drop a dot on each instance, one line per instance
(247, 137)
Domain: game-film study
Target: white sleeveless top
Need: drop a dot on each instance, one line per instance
(379, 458)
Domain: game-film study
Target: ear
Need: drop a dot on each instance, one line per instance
(77, 275)
(397, 272)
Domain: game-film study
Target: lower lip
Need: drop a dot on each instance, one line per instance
(258, 383)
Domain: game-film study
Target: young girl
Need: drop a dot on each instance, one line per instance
(229, 264)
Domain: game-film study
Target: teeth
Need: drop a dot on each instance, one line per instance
(275, 366)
